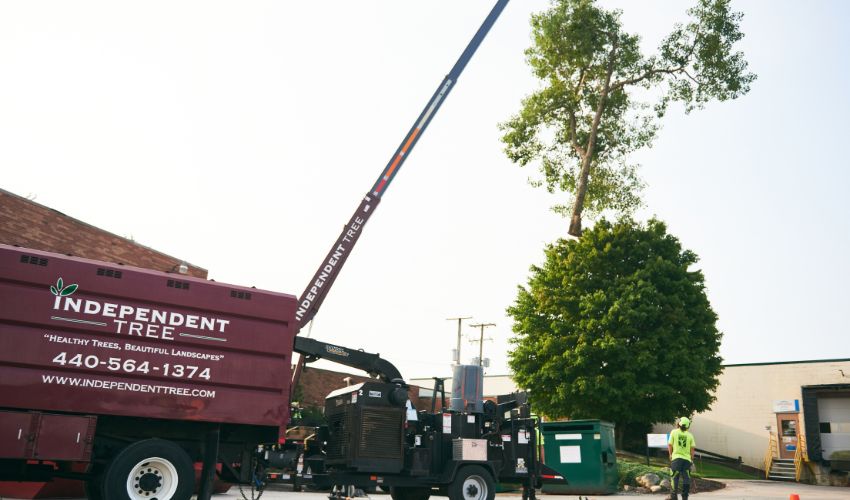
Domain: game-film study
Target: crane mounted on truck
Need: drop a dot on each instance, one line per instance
(317, 289)
(124, 377)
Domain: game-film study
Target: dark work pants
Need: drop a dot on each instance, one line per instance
(681, 469)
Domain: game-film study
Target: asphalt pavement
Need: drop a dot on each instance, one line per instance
(735, 490)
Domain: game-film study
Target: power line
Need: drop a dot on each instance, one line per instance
(481, 340)
(459, 321)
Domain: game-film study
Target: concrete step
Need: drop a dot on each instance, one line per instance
(783, 471)
(776, 474)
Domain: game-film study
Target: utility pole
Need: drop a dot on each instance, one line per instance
(459, 321)
(481, 340)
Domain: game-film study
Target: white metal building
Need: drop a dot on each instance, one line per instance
(794, 401)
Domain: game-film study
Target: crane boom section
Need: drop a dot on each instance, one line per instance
(313, 296)
(434, 103)
(373, 364)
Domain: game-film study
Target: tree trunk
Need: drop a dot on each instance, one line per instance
(584, 175)
(575, 221)
(581, 189)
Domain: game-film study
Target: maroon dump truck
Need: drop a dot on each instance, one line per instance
(135, 374)
(124, 378)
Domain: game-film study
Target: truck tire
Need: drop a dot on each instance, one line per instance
(472, 483)
(153, 468)
(409, 493)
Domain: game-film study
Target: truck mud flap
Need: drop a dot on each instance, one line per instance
(549, 475)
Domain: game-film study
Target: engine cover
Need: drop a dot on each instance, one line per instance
(366, 428)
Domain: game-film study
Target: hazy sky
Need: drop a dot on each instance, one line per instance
(240, 136)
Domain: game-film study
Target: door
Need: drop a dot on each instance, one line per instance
(834, 415)
(15, 434)
(788, 425)
(64, 437)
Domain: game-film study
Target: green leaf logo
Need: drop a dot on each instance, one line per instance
(61, 290)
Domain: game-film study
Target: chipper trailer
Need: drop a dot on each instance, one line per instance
(374, 439)
(125, 378)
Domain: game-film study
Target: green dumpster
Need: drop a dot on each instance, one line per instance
(583, 451)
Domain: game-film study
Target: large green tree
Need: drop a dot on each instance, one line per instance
(616, 325)
(601, 98)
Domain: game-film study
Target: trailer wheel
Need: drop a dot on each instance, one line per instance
(472, 483)
(153, 469)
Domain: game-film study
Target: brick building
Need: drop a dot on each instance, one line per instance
(28, 224)
(316, 383)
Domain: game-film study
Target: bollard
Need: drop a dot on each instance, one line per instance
(794, 496)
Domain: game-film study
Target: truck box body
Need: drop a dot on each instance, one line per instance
(88, 337)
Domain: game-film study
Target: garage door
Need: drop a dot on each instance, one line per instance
(834, 415)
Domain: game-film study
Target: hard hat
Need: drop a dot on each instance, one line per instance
(685, 422)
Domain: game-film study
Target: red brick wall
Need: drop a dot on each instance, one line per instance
(316, 383)
(28, 224)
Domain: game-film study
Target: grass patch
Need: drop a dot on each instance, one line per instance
(632, 467)
(716, 471)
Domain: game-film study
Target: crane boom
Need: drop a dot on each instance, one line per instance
(316, 291)
(373, 364)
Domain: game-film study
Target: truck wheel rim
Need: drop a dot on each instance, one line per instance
(153, 478)
(474, 488)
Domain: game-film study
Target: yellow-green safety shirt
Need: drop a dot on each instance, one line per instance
(683, 442)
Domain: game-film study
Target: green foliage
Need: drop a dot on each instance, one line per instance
(632, 467)
(632, 436)
(616, 326)
(630, 471)
(313, 416)
(581, 125)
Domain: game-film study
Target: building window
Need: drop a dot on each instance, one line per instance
(789, 428)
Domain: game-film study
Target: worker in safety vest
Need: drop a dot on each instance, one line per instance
(681, 446)
(539, 435)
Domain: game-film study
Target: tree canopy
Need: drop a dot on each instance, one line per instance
(616, 325)
(581, 125)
